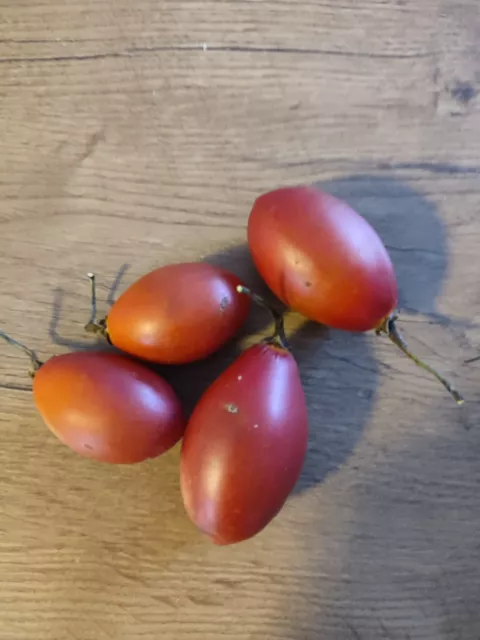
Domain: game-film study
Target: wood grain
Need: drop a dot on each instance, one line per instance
(137, 134)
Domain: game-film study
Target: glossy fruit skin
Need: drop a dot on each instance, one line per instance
(322, 259)
(245, 445)
(178, 314)
(108, 407)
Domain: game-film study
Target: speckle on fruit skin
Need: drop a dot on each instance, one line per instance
(231, 408)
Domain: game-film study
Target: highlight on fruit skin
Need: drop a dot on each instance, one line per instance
(105, 406)
(176, 314)
(325, 261)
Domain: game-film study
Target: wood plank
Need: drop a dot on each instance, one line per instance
(126, 144)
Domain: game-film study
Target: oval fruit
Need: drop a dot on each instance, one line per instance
(108, 407)
(322, 259)
(178, 314)
(245, 445)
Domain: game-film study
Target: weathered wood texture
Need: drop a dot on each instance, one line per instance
(139, 133)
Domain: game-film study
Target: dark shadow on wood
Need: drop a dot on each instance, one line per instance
(396, 531)
(339, 370)
(112, 292)
(411, 529)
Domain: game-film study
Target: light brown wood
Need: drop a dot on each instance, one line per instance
(139, 133)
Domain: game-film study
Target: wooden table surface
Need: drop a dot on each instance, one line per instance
(134, 134)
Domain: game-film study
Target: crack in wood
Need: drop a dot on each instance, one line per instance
(219, 49)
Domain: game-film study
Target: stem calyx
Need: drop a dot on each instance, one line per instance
(35, 362)
(279, 338)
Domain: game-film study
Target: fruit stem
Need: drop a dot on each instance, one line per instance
(389, 328)
(279, 337)
(35, 362)
(93, 325)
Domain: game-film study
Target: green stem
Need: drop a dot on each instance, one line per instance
(389, 328)
(35, 362)
(279, 337)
